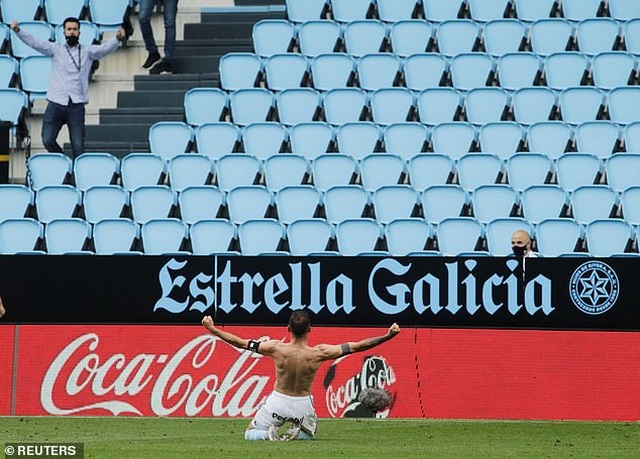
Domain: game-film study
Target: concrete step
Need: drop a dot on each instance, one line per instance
(166, 98)
(242, 14)
(182, 81)
(140, 115)
(118, 132)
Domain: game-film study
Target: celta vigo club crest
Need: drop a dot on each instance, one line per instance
(594, 287)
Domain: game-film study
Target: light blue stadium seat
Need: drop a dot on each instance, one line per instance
(152, 202)
(630, 201)
(333, 169)
(358, 139)
(577, 10)
(298, 105)
(380, 169)
(9, 70)
(306, 10)
(379, 70)
(493, 201)
(612, 69)
(285, 71)
(13, 108)
(607, 237)
(439, 105)
(458, 36)
(597, 35)
(566, 69)
(248, 203)
(115, 236)
(310, 139)
(308, 236)
(427, 169)
(624, 10)
(35, 72)
(632, 137)
(200, 202)
(486, 105)
(21, 11)
(351, 10)
(456, 235)
(443, 201)
(602, 138)
(237, 170)
(502, 138)
(108, 14)
(503, 36)
(487, 10)
(549, 36)
(531, 10)
(407, 235)
(365, 36)
(471, 70)
(438, 11)
(518, 70)
(525, 169)
(284, 170)
(138, 169)
(540, 202)
(214, 236)
(345, 105)
(425, 70)
(558, 236)
(453, 139)
(475, 169)
(20, 235)
(577, 169)
(273, 36)
(104, 202)
(95, 168)
(498, 234)
(90, 34)
(297, 202)
(170, 138)
(264, 139)
(392, 105)
(205, 105)
(240, 71)
(411, 36)
(334, 70)
(398, 10)
(580, 104)
(622, 170)
(260, 236)
(357, 236)
(15, 201)
(58, 11)
(319, 37)
(67, 235)
(391, 202)
(406, 139)
(552, 138)
(623, 104)
(189, 169)
(217, 139)
(534, 104)
(251, 105)
(48, 169)
(344, 202)
(592, 202)
(164, 236)
(57, 201)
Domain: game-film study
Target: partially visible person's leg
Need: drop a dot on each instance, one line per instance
(54, 118)
(144, 17)
(75, 122)
(170, 14)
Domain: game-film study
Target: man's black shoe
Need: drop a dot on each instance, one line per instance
(162, 67)
(127, 26)
(151, 59)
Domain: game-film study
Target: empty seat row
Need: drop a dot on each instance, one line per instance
(406, 37)
(400, 237)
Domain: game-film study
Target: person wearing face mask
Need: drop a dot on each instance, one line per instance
(521, 246)
(68, 91)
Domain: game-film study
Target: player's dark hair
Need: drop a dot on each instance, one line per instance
(71, 19)
(299, 323)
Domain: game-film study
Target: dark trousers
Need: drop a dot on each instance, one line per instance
(55, 116)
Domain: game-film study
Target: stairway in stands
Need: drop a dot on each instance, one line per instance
(124, 129)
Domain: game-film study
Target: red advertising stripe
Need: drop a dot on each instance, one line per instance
(7, 336)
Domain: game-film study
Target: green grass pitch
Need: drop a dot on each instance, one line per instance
(192, 438)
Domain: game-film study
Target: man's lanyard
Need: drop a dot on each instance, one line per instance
(76, 64)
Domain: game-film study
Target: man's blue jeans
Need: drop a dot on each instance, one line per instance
(55, 116)
(170, 13)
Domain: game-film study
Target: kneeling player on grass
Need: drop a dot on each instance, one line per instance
(296, 366)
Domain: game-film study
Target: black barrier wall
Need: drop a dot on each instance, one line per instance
(560, 293)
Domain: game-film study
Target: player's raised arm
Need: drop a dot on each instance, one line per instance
(207, 322)
(334, 351)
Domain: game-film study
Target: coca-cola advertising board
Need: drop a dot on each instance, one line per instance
(433, 373)
(7, 339)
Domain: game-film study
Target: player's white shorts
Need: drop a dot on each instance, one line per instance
(279, 408)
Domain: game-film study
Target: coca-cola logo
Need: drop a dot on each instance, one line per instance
(84, 379)
(343, 387)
